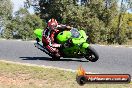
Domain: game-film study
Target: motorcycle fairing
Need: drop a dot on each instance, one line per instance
(65, 35)
(83, 37)
(62, 37)
(79, 42)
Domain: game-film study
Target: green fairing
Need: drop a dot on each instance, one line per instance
(83, 34)
(65, 35)
(85, 45)
(38, 33)
(71, 51)
(62, 37)
(81, 39)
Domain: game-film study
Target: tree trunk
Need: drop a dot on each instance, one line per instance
(119, 24)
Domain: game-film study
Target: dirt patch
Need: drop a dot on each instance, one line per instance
(20, 80)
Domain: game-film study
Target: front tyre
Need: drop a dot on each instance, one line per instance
(91, 54)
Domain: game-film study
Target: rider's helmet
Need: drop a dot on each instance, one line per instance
(52, 23)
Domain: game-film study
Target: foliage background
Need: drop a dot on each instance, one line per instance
(105, 21)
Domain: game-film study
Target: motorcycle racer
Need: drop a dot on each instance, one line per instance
(49, 33)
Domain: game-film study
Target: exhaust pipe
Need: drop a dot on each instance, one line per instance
(39, 46)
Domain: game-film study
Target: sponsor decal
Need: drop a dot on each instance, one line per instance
(83, 78)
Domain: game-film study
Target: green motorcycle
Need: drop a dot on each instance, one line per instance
(74, 45)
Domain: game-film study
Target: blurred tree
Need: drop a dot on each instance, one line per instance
(99, 18)
(129, 26)
(23, 25)
(5, 13)
(125, 5)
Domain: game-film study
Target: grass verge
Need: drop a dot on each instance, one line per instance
(22, 76)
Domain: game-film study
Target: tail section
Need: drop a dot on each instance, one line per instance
(38, 33)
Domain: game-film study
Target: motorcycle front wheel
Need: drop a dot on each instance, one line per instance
(91, 54)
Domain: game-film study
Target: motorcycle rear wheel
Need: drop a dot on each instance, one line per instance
(91, 54)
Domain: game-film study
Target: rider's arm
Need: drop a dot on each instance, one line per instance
(64, 27)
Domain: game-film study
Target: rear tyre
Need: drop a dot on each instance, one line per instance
(91, 54)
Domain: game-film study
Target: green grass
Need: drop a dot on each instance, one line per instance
(22, 76)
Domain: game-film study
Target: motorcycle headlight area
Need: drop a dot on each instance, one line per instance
(75, 33)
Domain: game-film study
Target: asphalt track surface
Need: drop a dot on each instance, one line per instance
(116, 60)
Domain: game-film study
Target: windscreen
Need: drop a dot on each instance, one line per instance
(75, 33)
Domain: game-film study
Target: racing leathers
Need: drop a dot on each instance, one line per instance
(49, 33)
